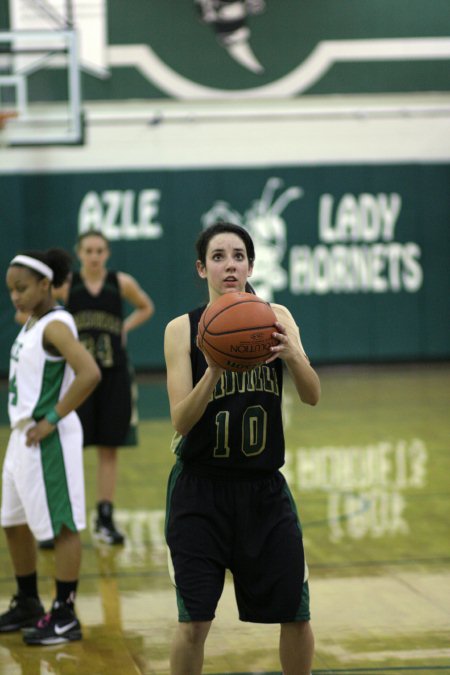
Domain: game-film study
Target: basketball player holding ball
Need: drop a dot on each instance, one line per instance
(228, 505)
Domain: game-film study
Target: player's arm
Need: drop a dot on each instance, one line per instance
(59, 338)
(138, 298)
(290, 349)
(187, 404)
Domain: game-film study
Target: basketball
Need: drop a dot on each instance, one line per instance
(236, 331)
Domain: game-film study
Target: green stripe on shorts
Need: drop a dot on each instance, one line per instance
(303, 613)
(55, 479)
(174, 474)
(183, 614)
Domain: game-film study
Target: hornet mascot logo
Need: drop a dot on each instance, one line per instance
(228, 19)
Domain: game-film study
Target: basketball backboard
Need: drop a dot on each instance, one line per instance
(40, 84)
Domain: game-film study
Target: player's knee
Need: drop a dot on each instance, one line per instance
(15, 530)
(194, 632)
(299, 629)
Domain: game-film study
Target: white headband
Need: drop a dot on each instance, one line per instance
(35, 264)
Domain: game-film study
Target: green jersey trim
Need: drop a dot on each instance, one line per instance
(52, 379)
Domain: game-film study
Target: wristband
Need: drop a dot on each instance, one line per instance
(53, 417)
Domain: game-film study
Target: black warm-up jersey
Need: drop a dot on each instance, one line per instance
(241, 430)
(99, 319)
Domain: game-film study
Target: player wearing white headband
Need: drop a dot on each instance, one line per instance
(34, 264)
(50, 374)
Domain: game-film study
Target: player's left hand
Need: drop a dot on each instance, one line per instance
(284, 347)
(41, 430)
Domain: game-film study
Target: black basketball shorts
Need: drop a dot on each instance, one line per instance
(106, 414)
(250, 527)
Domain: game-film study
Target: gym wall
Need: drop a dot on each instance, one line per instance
(326, 135)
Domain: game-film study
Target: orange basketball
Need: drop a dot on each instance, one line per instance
(236, 331)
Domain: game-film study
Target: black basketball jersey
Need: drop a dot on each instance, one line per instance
(99, 319)
(241, 429)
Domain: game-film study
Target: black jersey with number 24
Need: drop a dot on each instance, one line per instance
(99, 319)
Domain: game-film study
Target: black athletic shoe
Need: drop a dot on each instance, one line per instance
(59, 625)
(46, 544)
(106, 532)
(23, 611)
(105, 529)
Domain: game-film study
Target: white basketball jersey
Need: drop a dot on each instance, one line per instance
(37, 380)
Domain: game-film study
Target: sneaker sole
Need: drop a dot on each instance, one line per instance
(56, 640)
(108, 540)
(14, 627)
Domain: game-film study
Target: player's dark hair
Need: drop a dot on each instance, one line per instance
(59, 261)
(90, 233)
(218, 228)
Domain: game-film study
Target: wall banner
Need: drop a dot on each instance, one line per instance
(358, 253)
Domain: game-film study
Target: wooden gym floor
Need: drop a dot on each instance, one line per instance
(370, 468)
